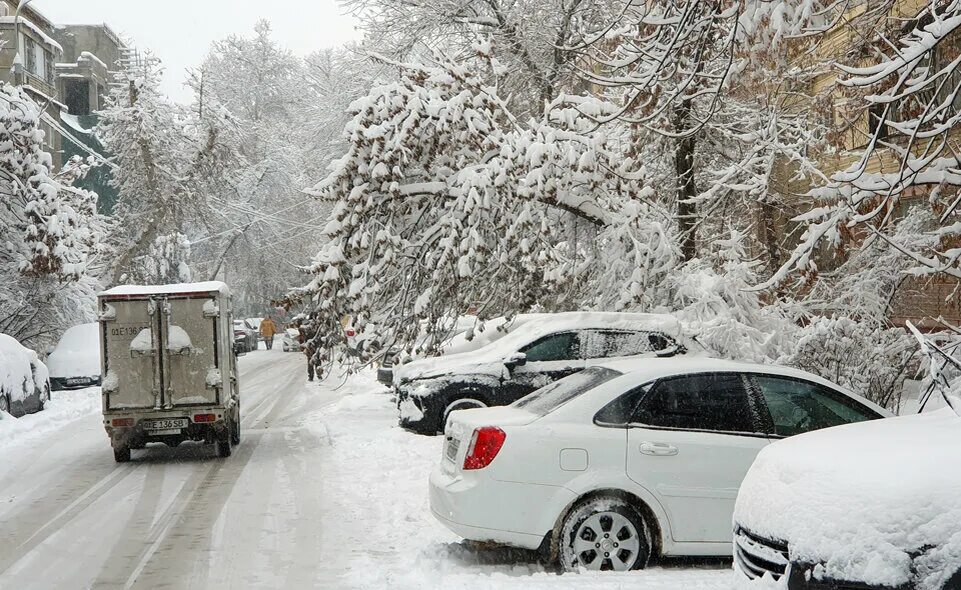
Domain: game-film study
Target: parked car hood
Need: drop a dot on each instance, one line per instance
(477, 362)
(871, 502)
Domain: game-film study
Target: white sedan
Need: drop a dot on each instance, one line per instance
(627, 459)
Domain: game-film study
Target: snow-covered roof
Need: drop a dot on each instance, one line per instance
(178, 288)
(24, 22)
(876, 502)
(78, 353)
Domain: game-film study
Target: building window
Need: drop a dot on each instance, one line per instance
(48, 68)
(30, 55)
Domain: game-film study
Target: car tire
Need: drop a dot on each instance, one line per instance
(44, 397)
(121, 454)
(954, 582)
(604, 533)
(464, 403)
(5, 404)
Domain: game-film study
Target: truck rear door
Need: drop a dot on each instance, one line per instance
(130, 356)
(191, 372)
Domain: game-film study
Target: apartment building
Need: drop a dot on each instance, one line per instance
(854, 41)
(27, 57)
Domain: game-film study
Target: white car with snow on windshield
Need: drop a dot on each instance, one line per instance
(75, 361)
(866, 506)
(626, 460)
(544, 348)
(169, 366)
(24, 380)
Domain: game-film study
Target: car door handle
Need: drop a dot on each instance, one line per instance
(658, 449)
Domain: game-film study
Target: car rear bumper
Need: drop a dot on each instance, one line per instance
(63, 383)
(508, 513)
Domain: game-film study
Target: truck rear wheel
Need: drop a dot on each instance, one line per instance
(223, 442)
(235, 431)
(121, 454)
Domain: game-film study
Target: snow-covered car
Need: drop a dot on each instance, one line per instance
(290, 340)
(464, 337)
(868, 506)
(254, 323)
(24, 379)
(545, 348)
(626, 460)
(245, 335)
(75, 361)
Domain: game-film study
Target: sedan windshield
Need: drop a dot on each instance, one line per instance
(550, 397)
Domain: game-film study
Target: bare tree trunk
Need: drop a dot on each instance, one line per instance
(768, 235)
(686, 189)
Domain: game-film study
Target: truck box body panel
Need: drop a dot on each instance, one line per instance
(130, 376)
(191, 368)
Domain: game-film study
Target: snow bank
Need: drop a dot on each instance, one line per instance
(64, 407)
(78, 353)
(861, 500)
(375, 484)
(20, 369)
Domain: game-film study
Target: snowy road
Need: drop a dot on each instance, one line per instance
(323, 492)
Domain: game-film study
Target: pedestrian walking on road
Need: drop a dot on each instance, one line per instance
(268, 329)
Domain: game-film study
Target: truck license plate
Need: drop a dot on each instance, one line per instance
(174, 424)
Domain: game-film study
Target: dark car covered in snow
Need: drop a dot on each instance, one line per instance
(546, 348)
(24, 380)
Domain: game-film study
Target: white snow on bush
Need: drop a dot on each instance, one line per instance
(861, 499)
(78, 353)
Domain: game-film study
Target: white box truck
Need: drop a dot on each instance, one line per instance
(170, 373)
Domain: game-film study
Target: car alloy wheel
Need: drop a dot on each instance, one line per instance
(604, 534)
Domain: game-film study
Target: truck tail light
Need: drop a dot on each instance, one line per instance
(122, 422)
(484, 446)
(205, 417)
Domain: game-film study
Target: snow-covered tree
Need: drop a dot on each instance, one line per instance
(911, 96)
(50, 234)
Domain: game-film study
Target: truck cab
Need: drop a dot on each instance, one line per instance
(169, 368)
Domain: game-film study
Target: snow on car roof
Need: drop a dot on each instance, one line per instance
(134, 290)
(872, 501)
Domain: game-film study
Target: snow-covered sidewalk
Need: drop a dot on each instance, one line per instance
(375, 492)
(64, 407)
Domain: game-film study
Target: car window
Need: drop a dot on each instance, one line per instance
(556, 347)
(798, 406)
(552, 396)
(620, 411)
(705, 401)
(612, 343)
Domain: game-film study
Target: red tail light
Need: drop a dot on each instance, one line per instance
(484, 446)
(123, 422)
(205, 417)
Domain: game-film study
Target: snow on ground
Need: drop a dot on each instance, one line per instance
(376, 484)
(64, 407)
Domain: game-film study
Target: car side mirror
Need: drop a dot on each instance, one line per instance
(669, 351)
(517, 359)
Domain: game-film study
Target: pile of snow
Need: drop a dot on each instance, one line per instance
(64, 407)
(21, 371)
(876, 502)
(77, 354)
(375, 482)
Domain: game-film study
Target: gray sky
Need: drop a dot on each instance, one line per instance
(180, 31)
